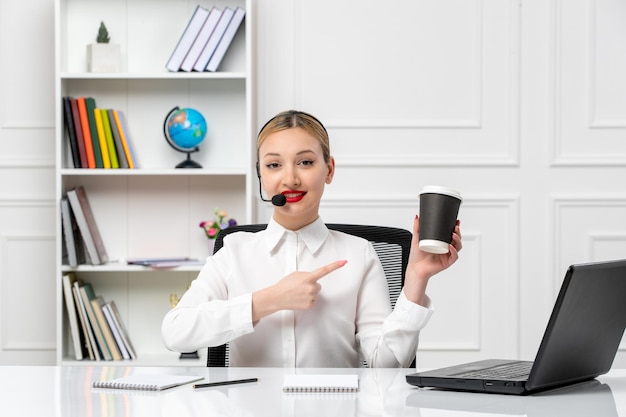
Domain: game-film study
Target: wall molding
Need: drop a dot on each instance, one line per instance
(558, 204)
(9, 344)
(594, 153)
(508, 154)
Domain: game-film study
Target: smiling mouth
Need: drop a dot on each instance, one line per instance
(294, 196)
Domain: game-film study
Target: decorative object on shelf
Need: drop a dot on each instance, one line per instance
(103, 56)
(213, 227)
(184, 130)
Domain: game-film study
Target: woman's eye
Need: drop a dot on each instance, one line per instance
(307, 162)
(271, 165)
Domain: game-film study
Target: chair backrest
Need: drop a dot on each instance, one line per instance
(392, 245)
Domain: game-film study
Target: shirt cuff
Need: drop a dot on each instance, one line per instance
(241, 312)
(414, 315)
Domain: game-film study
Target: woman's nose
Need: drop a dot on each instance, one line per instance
(290, 177)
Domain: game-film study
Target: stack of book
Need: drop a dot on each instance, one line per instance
(98, 138)
(83, 243)
(206, 39)
(98, 332)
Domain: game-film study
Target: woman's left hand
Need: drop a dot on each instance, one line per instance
(423, 265)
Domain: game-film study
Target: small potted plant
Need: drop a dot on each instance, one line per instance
(103, 56)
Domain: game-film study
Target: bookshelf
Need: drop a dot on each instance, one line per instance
(154, 210)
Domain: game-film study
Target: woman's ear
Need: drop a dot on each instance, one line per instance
(331, 170)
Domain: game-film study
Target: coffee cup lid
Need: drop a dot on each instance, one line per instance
(437, 189)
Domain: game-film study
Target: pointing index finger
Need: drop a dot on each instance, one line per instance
(322, 271)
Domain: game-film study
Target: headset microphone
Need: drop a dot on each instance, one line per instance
(278, 200)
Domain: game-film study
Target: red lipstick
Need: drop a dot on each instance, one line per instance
(293, 196)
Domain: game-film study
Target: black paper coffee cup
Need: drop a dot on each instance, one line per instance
(439, 208)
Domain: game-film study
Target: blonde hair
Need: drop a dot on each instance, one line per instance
(294, 118)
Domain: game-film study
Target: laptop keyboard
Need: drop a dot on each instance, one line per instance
(513, 370)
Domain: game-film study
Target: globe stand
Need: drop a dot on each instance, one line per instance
(189, 355)
(187, 163)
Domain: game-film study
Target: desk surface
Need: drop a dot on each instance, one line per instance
(63, 391)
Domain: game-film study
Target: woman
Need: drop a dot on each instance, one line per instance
(298, 294)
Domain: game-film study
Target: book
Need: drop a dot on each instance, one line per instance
(90, 104)
(87, 225)
(72, 315)
(87, 294)
(123, 139)
(71, 134)
(164, 262)
(214, 40)
(126, 137)
(89, 338)
(104, 148)
(111, 307)
(201, 40)
(117, 139)
(106, 124)
(147, 382)
(96, 304)
(321, 383)
(71, 235)
(115, 331)
(78, 130)
(188, 37)
(227, 38)
(84, 123)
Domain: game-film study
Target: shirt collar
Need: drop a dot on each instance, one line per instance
(313, 235)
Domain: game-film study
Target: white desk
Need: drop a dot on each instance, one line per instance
(66, 391)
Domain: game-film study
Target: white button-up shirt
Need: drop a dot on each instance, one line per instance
(350, 321)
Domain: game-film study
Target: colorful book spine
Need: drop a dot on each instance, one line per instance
(123, 139)
(71, 134)
(129, 141)
(84, 122)
(90, 103)
(106, 161)
(80, 143)
(117, 140)
(109, 137)
(87, 294)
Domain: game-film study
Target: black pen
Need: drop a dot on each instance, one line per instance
(231, 382)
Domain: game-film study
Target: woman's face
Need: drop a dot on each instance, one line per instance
(291, 163)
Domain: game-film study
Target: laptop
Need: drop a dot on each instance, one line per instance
(585, 399)
(579, 343)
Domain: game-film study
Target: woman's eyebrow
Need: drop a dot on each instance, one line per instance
(304, 151)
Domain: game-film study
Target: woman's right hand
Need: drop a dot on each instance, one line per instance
(297, 291)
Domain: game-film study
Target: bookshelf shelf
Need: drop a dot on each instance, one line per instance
(155, 209)
(155, 172)
(122, 267)
(162, 75)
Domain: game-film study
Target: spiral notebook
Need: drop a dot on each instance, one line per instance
(147, 382)
(321, 383)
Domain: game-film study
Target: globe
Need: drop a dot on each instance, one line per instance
(184, 130)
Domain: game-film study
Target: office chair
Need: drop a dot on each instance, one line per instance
(392, 245)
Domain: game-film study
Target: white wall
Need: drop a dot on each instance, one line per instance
(518, 104)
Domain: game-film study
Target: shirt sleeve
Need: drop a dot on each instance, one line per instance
(205, 316)
(393, 342)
